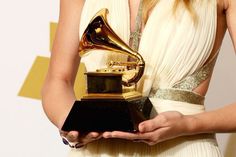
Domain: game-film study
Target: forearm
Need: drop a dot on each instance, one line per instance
(58, 98)
(58, 94)
(223, 119)
(217, 121)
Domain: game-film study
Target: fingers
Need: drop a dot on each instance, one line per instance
(92, 136)
(107, 135)
(150, 138)
(161, 128)
(63, 133)
(152, 124)
(119, 134)
(70, 138)
(124, 135)
(73, 136)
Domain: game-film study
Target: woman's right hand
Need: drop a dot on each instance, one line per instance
(76, 140)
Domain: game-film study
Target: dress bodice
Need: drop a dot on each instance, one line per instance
(175, 50)
(172, 44)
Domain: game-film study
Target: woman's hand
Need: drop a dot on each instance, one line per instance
(74, 139)
(165, 126)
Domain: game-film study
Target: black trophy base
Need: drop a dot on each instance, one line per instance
(107, 115)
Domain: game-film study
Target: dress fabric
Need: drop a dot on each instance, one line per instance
(174, 48)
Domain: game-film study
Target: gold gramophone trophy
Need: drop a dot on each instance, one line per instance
(112, 102)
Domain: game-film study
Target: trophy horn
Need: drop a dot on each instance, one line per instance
(99, 35)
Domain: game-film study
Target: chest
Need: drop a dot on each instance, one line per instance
(134, 6)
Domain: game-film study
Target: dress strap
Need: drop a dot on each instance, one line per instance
(136, 34)
(193, 81)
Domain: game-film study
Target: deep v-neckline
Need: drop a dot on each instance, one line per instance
(133, 20)
(136, 34)
(143, 25)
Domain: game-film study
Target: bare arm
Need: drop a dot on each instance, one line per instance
(231, 20)
(168, 125)
(57, 94)
(224, 119)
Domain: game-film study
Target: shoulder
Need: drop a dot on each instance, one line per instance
(226, 8)
(226, 4)
(230, 13)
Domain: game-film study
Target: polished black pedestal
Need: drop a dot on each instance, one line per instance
(108, 115)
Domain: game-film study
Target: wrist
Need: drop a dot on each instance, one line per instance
(193, 125)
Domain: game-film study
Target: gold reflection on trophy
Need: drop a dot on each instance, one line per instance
(119, 79)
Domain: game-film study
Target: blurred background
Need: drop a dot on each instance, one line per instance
(27, 28)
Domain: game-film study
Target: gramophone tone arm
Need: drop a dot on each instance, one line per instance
(114, 63)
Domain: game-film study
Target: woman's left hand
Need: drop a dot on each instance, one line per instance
(164, 126)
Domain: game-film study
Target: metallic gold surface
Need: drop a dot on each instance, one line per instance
(111, 102)
(192, 81)
(113, 96)
(99, 35)
(178, 95)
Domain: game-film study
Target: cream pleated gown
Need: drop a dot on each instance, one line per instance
(176, 51)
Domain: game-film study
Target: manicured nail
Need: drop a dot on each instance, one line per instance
(79, 145)
(65, 141)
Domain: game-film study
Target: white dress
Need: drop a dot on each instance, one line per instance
(175, 50)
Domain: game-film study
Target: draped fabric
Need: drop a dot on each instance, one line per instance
(191, 146)
(174, 47)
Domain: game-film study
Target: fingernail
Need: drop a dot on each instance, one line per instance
(65, 141)
(79, 145)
